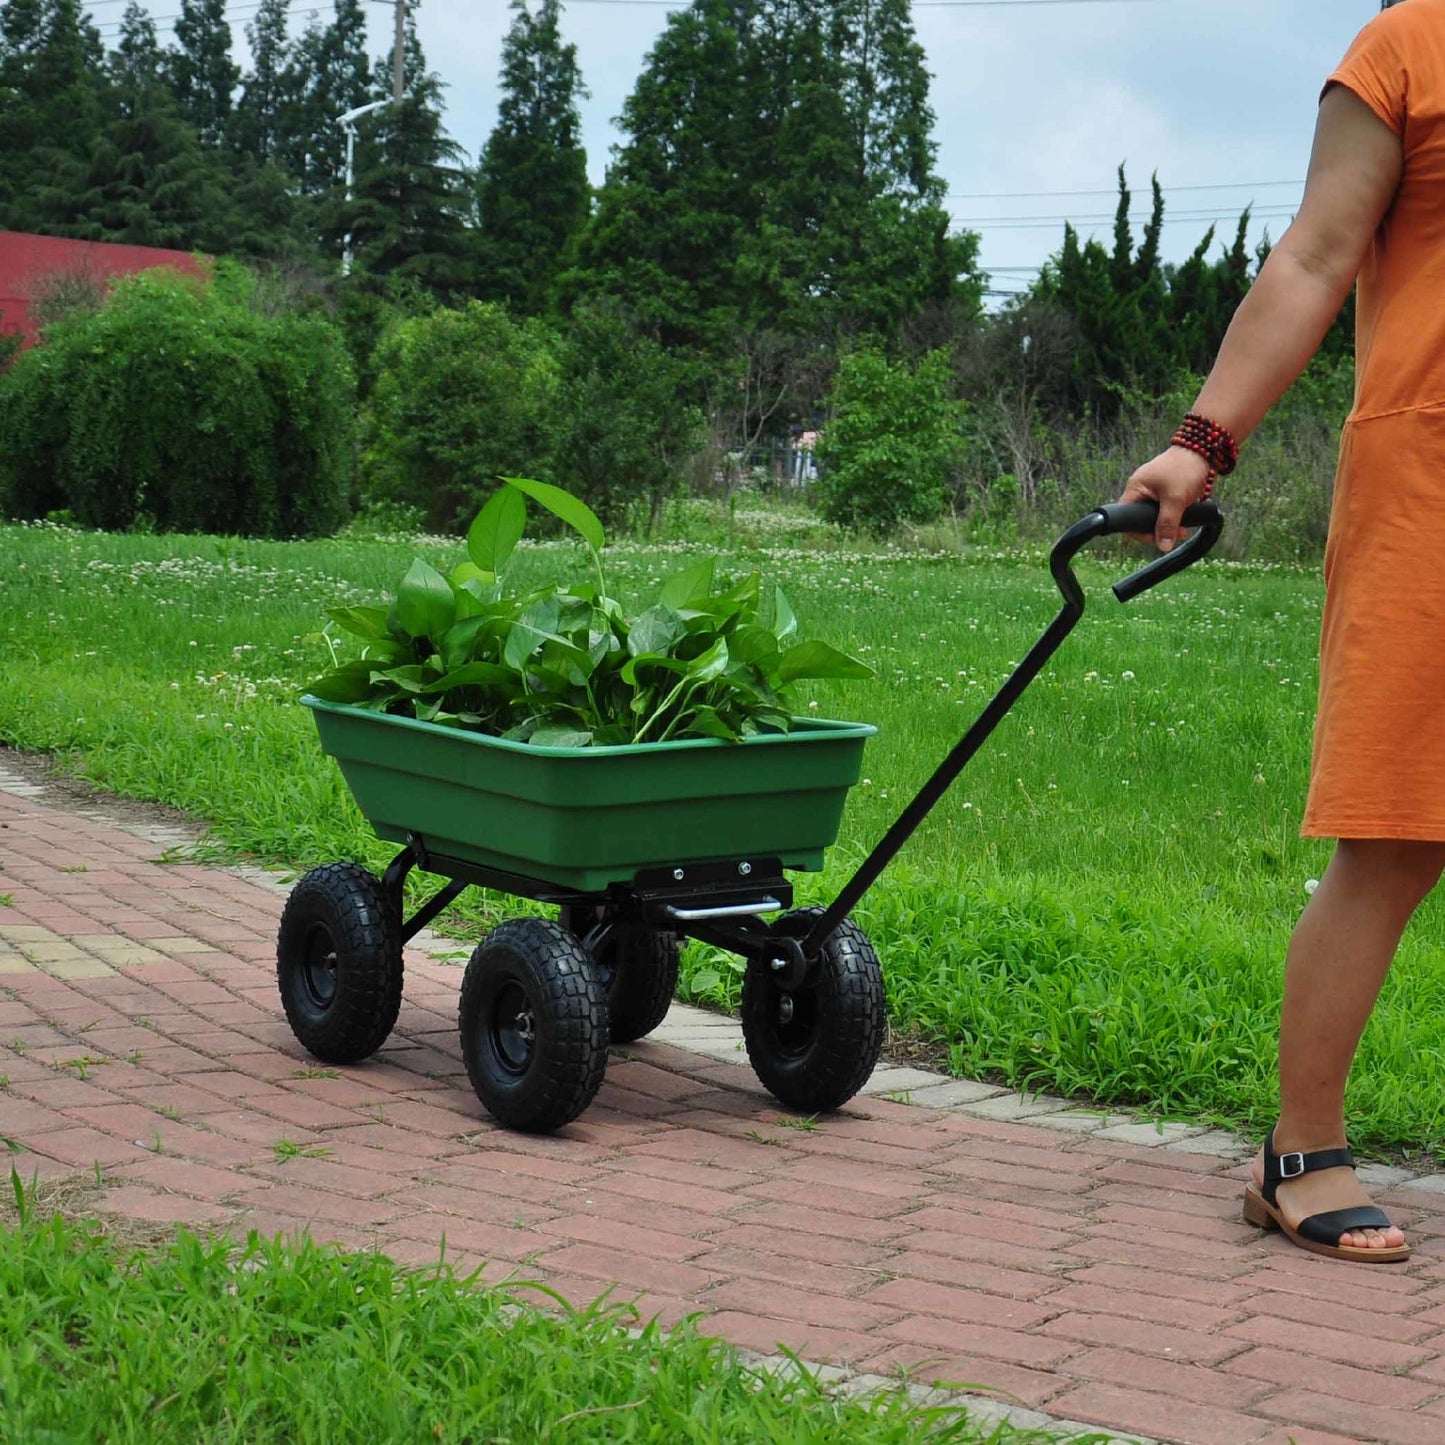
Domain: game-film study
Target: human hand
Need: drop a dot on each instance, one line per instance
(1176, 480)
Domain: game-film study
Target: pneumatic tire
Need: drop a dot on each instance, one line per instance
(639, 967)
(533, 1022)
(813, 1048)
(339, 964)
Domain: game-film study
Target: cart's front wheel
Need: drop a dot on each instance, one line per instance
(639, 966)
(814, 1048)
(338, 963)
(533, 1020)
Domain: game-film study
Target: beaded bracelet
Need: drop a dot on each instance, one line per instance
(1211, 441)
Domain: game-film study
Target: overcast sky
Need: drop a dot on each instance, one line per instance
(1030, 97)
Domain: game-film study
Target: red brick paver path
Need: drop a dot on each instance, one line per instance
(1090, 1278)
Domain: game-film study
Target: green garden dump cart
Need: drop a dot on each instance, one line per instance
(638, 847)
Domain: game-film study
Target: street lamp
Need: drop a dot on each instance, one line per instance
(348, 123)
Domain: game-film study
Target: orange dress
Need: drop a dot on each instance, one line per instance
(1379, 751)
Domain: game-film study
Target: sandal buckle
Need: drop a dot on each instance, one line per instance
(1291, 1166)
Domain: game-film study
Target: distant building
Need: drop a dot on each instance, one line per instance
(29, 263)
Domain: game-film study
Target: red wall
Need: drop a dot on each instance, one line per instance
(26, 260)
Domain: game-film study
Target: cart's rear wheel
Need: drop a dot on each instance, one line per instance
(533, 1020)
(338, 963)
(640, 967)
(815, 1047)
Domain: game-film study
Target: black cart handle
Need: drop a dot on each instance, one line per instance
(1107, 521)
(1135, 517)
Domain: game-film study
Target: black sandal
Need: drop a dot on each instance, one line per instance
(1320, 1233)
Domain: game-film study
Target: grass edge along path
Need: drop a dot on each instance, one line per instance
(182, 1338)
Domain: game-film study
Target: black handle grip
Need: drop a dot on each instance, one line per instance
(1204, 517)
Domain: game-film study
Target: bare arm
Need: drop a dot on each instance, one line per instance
(1354, 173)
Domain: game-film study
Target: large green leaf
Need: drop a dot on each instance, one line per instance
(560, 735)
(491, 675)
(498, 527)
(425, 604)
(710, 664)
(563, 505)
(818, 659)
(346, 684)
(687, 587)
(364, 622)
(656, 630)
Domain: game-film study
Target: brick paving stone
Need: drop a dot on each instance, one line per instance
(1195, 1383)
(1163, 1416)
(1363, 1422)
(977, 1374)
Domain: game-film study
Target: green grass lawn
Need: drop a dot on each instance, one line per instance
(197, 1340)
(1100, 906)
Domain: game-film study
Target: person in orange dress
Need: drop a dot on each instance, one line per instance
(1373, 212)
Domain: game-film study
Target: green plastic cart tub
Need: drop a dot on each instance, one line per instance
(585, 818)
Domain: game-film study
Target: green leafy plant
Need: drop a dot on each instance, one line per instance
(564, 666)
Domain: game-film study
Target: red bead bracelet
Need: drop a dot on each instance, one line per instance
(1211, 441)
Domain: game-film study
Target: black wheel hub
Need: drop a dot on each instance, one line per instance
(795, 1022)
(318, 967)
(513, 1028)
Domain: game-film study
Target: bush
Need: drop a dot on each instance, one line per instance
(624, 428)
(894, 437)
(461, 397)
(176, 407)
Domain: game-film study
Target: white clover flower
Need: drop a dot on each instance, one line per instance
(1127, 676)
(1310, 885)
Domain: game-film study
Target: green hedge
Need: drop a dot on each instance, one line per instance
(177, 407)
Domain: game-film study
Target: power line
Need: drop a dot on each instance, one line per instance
(1110, 191)
(1257, 213)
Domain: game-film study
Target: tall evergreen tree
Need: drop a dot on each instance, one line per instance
(203, 76)
(682, 195)
(136, 64)
(262, 110)
(411, 192)
(328, 75)
(532, 191)
(50, 60)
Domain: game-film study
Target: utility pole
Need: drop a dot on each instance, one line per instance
(398, 76)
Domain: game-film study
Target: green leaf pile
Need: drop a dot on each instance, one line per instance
(564, 666)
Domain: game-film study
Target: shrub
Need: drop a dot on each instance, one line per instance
(177, 407)
(624, 428)
(461, 398)
(893, 439)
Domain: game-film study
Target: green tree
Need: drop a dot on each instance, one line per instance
(50, 61)
(891, 442)
(624, 426)
(682, 194)
(532, 191)
(266, 103)
(461, 397)
(202, 74)
(411, 195)
(329, 73)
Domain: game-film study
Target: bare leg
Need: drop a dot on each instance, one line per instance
(1338, 957)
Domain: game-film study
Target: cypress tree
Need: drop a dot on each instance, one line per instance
(411, 192)
(202, 74)
(262, 111)
(532, 191)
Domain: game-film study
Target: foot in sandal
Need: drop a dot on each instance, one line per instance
(1315, 1200)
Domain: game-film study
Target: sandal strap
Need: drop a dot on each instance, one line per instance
(1278, 1168)
(1328, 1227)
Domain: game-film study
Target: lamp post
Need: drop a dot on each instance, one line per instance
(348, 123)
